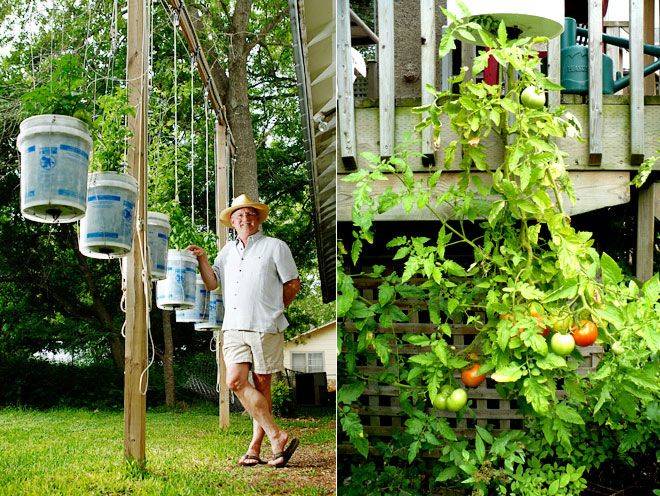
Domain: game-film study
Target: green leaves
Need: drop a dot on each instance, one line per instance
(510, 373)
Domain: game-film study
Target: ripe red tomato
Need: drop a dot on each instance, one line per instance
(586, 334)
(471, 377)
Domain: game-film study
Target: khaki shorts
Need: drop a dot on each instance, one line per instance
(264, 350)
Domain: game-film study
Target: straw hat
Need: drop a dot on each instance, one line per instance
(242, 202)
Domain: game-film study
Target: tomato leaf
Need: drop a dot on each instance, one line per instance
(507, 374)
(611, 271)
(568, 414)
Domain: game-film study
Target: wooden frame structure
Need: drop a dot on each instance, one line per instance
(138, 283)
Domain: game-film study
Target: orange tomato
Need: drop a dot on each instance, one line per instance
(585, 334)
(470, 376)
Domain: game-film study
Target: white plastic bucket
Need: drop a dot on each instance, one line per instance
(106, 231)
(216, 313)
(177, 290)
(55, 153)
(200, 312)
(158, 233)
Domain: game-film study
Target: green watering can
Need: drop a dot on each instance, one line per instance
(575, 61)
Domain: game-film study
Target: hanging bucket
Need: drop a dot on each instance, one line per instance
(158, 233)
(200, 312)
(216, 313)
(177, 290)
(106, 231)
(54, 161)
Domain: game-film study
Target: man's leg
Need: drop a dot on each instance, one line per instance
(256, 404)
(262, 384)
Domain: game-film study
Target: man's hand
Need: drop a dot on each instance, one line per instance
(205, 270)
(197, 251)
(290, 290)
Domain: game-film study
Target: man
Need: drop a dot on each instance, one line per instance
(259, 279)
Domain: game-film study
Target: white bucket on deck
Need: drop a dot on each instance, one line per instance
(106, 231)
(55, 153)
(158, 234)
(177, 290)
(200, 312)
(216, 312)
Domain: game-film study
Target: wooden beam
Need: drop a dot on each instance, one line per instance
(645, 232)
(636, 82)
(386, 80)
(221, 202)
(345, 103)
(137, 313)
(595, 82)
(554, 70)
(186, 25)
(429, 51)
(593, 189)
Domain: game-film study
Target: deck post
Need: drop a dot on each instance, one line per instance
(636, 82)
(595, 82)
(345, 99)
(386, 102)
(137, 313)
(554, 71)
(221, 202)
(645, 232)
(429, 51)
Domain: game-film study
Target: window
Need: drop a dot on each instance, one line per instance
(307, 362)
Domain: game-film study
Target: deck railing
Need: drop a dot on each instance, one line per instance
(429, 61)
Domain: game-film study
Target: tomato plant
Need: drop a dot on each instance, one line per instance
(528, 272)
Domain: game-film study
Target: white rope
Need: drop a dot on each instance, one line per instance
(192, 138)
(175, 23)
(206, 151)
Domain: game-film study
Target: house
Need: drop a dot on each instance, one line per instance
(314, 351)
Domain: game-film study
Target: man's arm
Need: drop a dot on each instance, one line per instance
(290, 290)
(205, 270)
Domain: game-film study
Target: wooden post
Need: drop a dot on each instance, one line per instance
(345, 100)
(468, 53)
(636, 82)
(595, 82)
(136, 303)
(386, 102)
(649, 25)
(221, 202)
(554, 70)
(429, 51)
(445, 68)
(645, 232)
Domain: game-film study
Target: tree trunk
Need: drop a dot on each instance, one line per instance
(99, 308)
(238, 105)
(168, 359)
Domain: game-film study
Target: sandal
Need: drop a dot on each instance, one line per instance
(286, 454)
(248, 456)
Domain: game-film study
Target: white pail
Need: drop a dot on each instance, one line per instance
(200, 312)
(106, 231)
(55, 152)
(177, 290)
(158, 234)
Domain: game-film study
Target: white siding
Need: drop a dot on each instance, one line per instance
(322, 340)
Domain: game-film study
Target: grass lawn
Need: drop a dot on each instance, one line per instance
(78, 452)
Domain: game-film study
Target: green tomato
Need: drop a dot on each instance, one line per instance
(533, 98)
(440, 401)
(562, 323)
(617, 348)
(457, 400)
(562, 344)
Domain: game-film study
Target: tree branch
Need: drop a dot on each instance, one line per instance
(259, 37)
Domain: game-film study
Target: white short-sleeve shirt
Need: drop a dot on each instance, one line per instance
(251, 278)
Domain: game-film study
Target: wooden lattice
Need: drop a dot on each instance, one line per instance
(379, 406)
